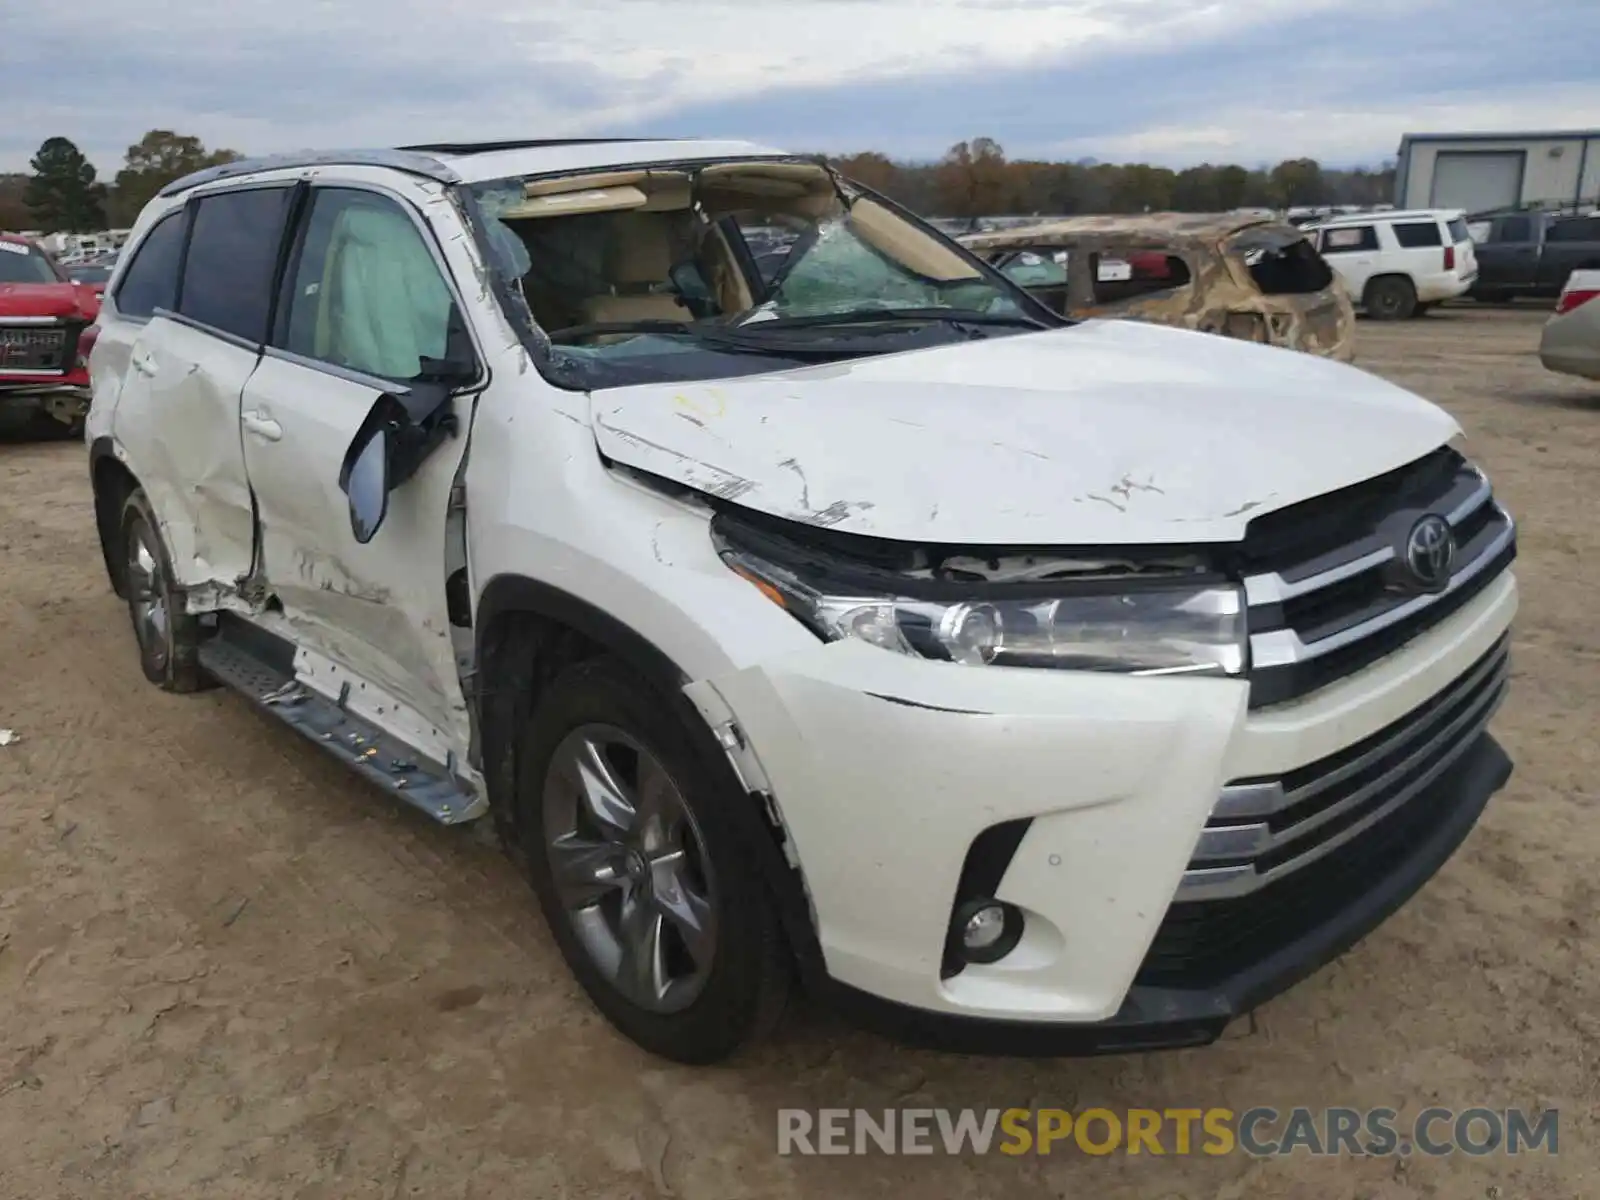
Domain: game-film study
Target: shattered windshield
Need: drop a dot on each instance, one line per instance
(21, 263)
(701, 272)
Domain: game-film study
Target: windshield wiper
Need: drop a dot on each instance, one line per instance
(596, 328)
(869, 316)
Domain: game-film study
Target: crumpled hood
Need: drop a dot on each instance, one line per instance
(1110, 432)
(48, 300)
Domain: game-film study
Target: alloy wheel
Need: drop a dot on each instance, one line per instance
(630, 868)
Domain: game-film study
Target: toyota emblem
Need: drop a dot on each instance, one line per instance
(1431, 552)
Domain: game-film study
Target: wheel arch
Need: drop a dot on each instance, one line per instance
(525, 632)
(113, 483)
(1385, 277)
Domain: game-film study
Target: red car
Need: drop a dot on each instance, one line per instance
(44, 371)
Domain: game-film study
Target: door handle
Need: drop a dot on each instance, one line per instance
(262, 426)
(143, 361)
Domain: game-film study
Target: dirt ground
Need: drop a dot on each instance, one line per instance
(228, 970)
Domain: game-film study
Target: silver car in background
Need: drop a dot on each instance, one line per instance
(1570, 342)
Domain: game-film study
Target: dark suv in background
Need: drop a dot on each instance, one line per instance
(1523, 253)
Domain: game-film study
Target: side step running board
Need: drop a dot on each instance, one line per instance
(260, 666)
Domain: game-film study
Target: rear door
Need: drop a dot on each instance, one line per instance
(367, 308)
(178, 416)
(1570, 244)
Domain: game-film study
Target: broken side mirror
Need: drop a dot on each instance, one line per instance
(364, 477)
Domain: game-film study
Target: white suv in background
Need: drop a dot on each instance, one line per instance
(1399, 264)
(1017, 683)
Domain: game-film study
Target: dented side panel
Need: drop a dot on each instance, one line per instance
(378, 609)
(178, 419)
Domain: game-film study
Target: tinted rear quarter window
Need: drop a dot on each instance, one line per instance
(227, 276)
(1458, 231)
(151, 280)
(1575, 229)
(1413, 235)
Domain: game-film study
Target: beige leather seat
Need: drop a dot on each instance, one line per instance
(638, 255)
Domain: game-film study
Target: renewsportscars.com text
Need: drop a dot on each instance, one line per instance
(1259, 1132)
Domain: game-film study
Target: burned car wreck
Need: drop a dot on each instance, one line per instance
(1237, 274)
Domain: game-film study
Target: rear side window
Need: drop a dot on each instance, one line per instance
(151, 280)
(1458, 231)
(1349, 240)
(227, 277)
(1413, 235)
(1576, 229)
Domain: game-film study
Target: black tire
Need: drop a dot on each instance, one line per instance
(1423, 310)
(1390, 298)
(169, 646)
(742, 993)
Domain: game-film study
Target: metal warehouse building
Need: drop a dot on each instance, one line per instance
(1478, 171)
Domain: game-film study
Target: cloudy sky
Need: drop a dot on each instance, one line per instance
(1169, 81)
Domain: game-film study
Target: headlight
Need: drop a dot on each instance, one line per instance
(1135, 626)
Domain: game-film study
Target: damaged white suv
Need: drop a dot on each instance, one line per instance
(830, 614)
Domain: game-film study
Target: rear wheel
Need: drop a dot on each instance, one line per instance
(633, 852)
(1391, 298)
(168, 635)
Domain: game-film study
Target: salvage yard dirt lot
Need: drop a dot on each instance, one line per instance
(228, 970)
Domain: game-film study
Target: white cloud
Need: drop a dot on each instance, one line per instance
(227, 72)
(1340, 134)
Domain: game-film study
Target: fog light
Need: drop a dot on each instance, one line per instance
(987, 930)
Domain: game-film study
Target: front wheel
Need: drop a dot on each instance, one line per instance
(633, 851)
(1391, 298)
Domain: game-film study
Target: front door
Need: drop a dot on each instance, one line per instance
(365, 305)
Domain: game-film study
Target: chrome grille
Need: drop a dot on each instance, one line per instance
(37, 348)
(1326, 581)
(1262, 829)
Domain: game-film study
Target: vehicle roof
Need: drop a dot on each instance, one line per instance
(477, 162)
(1393, 214)
(1170, 226)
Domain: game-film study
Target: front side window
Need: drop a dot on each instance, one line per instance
(364, 291)
(1414, 235)
(699, 271)
(233, 249)
(151, 280)
(22, 263)
(1349, 240)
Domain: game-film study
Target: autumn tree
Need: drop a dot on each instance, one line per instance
(155, 160)
(1299, 181)
(972, 179)
(62, 194)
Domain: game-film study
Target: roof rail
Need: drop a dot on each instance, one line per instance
(520, 144)
(409, 161)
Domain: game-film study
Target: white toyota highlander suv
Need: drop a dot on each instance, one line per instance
(840, 618)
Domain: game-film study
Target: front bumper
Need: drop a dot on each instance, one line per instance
(885, 769)
(1153, 1018)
